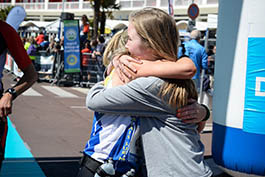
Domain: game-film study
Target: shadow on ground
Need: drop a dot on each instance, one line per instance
(40, 167)
(63, 167)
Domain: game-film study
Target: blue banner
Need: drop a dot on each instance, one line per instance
(71, 46)
(254, 108)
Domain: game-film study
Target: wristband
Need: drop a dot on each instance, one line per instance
(13, 92)
(207, 113)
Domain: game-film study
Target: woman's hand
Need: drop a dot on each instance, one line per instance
(193, 113)
(124, 67)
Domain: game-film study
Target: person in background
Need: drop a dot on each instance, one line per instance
(23, 39)
(45, 44)
(32, 50)
(40, 38)
(10, 41)
(50, 49)
(93, 44)
(98, 55)
(100, 48)
(87, 48)
(84, 30)
(210, 70)
(27, 44)
(197, 53)
(86, 66)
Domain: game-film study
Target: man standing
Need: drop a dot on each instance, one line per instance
(10, 41)
(197, 53)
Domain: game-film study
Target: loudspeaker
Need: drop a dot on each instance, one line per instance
(67, 16)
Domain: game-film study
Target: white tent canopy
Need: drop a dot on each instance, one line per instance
(48, 26)
(111, 24)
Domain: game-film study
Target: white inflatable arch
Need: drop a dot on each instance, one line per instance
(239, 90)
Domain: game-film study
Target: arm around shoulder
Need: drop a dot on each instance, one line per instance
(183, 68)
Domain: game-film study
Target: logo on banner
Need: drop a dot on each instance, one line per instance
(71, 34)
(71, 46)
(72, 60)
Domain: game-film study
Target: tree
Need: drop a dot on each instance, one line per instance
(100, 16)
(4, 12)
(107, 7)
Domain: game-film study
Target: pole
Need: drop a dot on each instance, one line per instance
(203, 70)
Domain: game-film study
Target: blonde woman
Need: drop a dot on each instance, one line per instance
(155, 101)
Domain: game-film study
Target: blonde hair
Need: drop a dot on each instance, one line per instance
(115, 45)
(159, 32)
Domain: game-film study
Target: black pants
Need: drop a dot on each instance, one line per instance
(88, 166)
(84, 172)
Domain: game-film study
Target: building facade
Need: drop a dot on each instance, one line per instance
(49, 10)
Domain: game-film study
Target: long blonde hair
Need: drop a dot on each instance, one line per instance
(115, 45)
(159, 32)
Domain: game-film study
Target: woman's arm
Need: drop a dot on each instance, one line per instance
(131, 68)
(183, 68)
(138, 98)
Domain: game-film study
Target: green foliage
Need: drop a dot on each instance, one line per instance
(102, 8)
(4, 12)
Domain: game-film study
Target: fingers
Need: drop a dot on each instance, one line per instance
(127, 61)
(187, 108)
(124, 71)
(5, 112)
(190, 114)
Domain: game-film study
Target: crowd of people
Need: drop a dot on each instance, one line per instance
(92, 51)
(50, 45)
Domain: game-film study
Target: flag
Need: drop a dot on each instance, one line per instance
(170, 8)
(16, 16)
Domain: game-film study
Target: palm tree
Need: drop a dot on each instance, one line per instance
(4, 12)
(100, 16)
(107, 7)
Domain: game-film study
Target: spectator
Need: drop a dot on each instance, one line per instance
(27, 44)
(93, 44)
(210, 70)
(198, 55)
(51, 47)
(45, 44)
(40, 38)
(87, 48)
(32, 50)
(100, 47)
(84, 30)
(86, 66)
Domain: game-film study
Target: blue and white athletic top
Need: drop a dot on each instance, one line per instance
(114, 136)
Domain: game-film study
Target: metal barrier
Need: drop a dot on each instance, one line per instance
(44, 63)
(92, 70)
